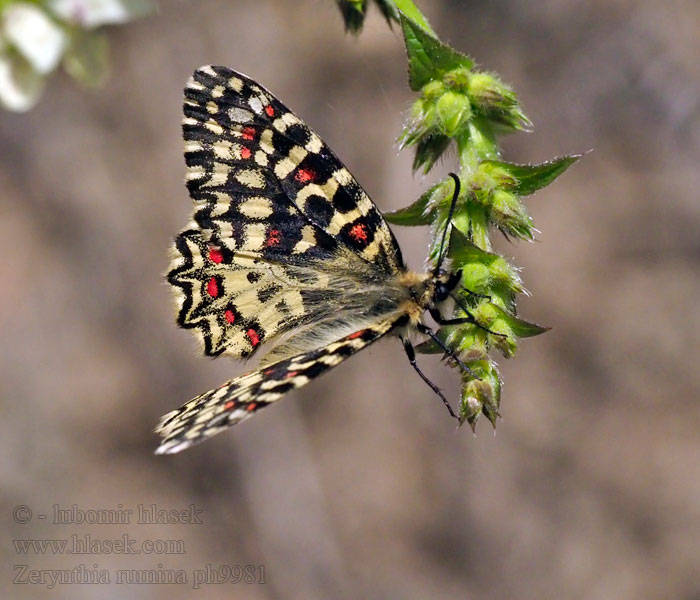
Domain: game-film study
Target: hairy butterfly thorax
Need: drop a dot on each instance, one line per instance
(285, 257)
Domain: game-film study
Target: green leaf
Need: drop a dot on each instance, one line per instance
(530, 178)
(429, 347)
(428, 57)
(417, 213)
(428, 149)
(519, 327)
(463, 251)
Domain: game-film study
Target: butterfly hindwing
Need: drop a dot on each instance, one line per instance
(243, 396)
(233, 301)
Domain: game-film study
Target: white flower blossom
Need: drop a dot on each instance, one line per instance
(93, 13)
(36, 36)
(20, 85)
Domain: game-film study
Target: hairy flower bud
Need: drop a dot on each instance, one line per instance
(496, 101)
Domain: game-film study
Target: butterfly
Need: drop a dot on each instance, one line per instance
(286, 253)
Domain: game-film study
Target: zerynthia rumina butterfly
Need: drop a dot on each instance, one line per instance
(285, 252)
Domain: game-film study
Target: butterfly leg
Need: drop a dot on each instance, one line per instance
(411, 353)
(477, 294)
(442, 321)
(435, 313)
(429, 332)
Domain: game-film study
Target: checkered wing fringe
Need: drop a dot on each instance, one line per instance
(240, 398)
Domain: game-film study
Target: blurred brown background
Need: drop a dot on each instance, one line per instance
(359, 486)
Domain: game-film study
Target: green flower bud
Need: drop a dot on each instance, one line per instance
(496, 101)
(470, 410)
(453, 110)
(509, 214)
(485, 89)
(476, 276)
(504, 202)
(417, 109)
(496, 175)
(428, 118)
(469, 341)
(504, 274)
(433, 90)
(481, 395)
(457, 79)
(435, 118)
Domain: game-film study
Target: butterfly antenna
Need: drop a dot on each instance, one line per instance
(442, 255)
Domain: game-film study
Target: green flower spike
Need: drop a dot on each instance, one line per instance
(458, 103)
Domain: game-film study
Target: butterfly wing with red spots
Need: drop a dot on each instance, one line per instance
(243, 396)
(278, 219)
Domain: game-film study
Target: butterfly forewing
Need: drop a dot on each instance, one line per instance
(241, 140)
(268, 194)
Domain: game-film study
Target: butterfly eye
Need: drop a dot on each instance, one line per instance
(443, 288)
(441, 292)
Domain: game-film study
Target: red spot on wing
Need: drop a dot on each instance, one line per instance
(304, 175)
(248, 133)
(229, 405)
(245, 152)
(268, 372)
(357, 334)
(215, 255)
(270, 111)
(273, 238)
(230, 316)
(251, 407)
(213, 287)
(358, 232)
(253, 337)
(291, 374)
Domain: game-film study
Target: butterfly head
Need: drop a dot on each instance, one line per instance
(430, 290)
